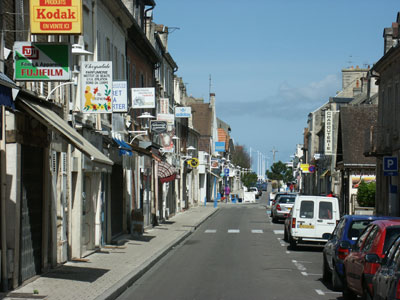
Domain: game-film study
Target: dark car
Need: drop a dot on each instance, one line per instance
(359, 269)
(338, 246)
(386, 282)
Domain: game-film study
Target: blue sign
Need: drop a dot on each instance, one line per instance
(219, 146)
(183, 112)
(226, 170)
(390, 166)
(311, 168)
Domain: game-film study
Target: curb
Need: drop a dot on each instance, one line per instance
(123, 284)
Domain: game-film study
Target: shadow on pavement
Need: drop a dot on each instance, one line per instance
(76, 273)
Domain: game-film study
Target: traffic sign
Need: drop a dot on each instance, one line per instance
(194, 162)
(311, 168)
(226, 171)
(390, 166)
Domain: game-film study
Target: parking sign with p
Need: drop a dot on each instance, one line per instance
(390, 166)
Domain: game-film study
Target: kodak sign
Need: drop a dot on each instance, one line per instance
(56, 16)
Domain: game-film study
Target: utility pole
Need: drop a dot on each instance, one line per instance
(273, 154)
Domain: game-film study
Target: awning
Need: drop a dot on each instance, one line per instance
(324, 173)
(49, 118)
(166, 172)
(6, 86)
(124, 148)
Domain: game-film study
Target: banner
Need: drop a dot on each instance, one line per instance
(97, 86)
(220, 147)
(56, 16)
(328, 132)
(42, 61)
(143, 98)
(120, 96)
(164, 106)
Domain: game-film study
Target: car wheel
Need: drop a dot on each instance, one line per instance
(347, 293)
(326, 275)
(336, 281)
(285, 235)
(293, 243)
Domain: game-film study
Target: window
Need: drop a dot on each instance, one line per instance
(325, 210)
(391, 234)
(362, 238)
(307, 209)
(370, 239)
(286, 199)
(339, 229)
(356, 228)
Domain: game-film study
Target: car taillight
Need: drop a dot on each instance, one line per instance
(398, 290)
(278, 207)
(293, 222)
(343, 252)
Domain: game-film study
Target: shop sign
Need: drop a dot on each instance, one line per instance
(143, 98)
(42, 61)
(183, 112)
(219, 146)
(158, 126)
(56, 16)
(120, 96)
(164, 106)
(328, 132)
(97, 86)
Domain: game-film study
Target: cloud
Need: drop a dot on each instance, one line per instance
(288, 102)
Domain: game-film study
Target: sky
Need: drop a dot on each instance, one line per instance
(271, 62)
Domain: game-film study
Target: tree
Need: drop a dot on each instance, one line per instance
(249, 179)
(366, 194)
(279, 171)
(240, 157)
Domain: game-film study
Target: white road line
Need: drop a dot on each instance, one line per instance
(310, 274)
(287, 252)
(299, 266)
(278, 231)
(319, 292)
(210, 231)
(233, 231)
(256, 231)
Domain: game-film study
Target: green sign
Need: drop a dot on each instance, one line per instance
(42, 61)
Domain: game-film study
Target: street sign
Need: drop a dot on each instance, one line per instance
(226, 171)
(390, 166)
(194, 162)
(311, 168)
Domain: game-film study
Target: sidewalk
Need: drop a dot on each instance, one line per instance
(110, 271)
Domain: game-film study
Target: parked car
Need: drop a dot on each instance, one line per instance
(312, 219)
(386, 281)
(282, 207)
(347, 230)
(276, 196)
(255, 191)
(359, 269)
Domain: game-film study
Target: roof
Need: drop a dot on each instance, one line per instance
(202, 118)
(354, 120)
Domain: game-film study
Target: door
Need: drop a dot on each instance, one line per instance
(325, 218)
(88, 215)
(117, 200)
(306, 222)
(31, 212)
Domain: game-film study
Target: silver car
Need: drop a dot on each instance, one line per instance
(282, 207)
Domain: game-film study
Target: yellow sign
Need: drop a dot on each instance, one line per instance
(194, 162)
(56, 16)
(304, 168)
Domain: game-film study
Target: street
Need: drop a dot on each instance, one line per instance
(238, 253)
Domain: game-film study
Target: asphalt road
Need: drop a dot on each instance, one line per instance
(237, 254)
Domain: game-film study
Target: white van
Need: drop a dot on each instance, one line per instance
(311, 218)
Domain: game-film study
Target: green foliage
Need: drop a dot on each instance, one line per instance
(249, 179)
(279, 171)
(366, 194)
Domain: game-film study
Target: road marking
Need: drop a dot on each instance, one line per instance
(278, 231)
(319, 292)
(310, 274)
(299, 266)
(233, 231)
(287, 252)
(256, 231)
(283, 244)
(210, 231)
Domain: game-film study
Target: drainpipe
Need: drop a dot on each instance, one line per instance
(4, 275)
(145, 17)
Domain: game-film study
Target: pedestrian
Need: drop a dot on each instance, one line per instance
(330, 194)
(227, 191)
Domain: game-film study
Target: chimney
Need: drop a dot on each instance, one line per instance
(388, 39)
(212, 99)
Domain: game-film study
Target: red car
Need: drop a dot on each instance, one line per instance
(358, 268)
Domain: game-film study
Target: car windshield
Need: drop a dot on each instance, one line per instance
(286, 199)
(356, 228)
(391, 234)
